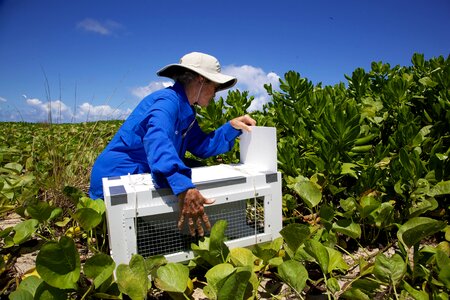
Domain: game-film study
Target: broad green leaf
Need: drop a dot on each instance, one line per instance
(333, 285)
(56, 212)
(444, 246)
(99, 267)
(30, 284)
(427, 81)
(320, 254)
(422, 206)
(417, 228)
(27, 289)
(356, 294)
(217, 245)
(443, 263)
(295, 235)
(5, 232)
(364, 267)
(235, 285)
(318, 135)
(15, 167)
(213, 249)
(241, 257)
(383, 215)
(132, 279)
(24, 230)
(367, 285)
(154, 262)
(269, 250)
(367, 205)
(294, 274)
(98, 206)
(418, 61)
(441, 188)
(73, 193)
(172, 277)
(64, 222)
(40, 211)
(58, 263)
(48, 292)
(405, 162)
(335, 190)
(88, 218)
(336, 261)
(349, 204)
(384, 163)
(389, 270)
(210, 292)
(420, 137)
(9, 242)
(276, 244)
(20, 294)
(326, 213)
(347, 168)
(441, 156)
(276, 261)
(218, 273)
(348, 227)
(416, 294)
(309, 192)
(216, 277)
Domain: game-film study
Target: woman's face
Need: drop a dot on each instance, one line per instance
(207, 91)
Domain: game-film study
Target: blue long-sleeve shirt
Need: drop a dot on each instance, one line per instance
(155, 138)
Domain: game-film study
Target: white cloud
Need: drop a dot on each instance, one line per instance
(36, 110)
(252, 79)
(143, 91)
(89, 112)
(41, 111)
(104, 28)
(45, 107)
(3, 99)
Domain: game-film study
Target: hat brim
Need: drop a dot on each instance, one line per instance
(224, 81)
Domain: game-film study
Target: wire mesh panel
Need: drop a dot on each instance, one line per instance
(159, 235)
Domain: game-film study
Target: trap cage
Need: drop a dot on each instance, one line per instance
(143, 220)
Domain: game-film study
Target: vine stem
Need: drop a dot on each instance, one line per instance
(88, 290)
(325, 281)
(395, 290)
(42, 237)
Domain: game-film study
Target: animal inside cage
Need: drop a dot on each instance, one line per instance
(143, 220)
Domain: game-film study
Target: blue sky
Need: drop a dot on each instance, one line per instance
(95, 60)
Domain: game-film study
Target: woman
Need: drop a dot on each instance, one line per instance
(157, 134)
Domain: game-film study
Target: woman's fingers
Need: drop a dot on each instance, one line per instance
(192, 208)
(243, 123)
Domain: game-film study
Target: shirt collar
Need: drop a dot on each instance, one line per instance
(188, 110)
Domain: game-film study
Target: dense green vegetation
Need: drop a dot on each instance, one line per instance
(365, 165)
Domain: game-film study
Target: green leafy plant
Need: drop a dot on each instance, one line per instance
(365, 165)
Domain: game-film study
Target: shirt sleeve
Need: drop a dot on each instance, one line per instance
(216, 142)
(162, 156)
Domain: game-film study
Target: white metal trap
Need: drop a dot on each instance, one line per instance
(143, 220)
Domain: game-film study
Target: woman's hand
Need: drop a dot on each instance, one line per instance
(243, 122)
(191, 208)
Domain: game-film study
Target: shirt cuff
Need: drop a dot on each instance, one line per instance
(179, 183)
(230, 132)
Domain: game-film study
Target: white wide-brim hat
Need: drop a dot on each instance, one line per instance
(206, 65)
